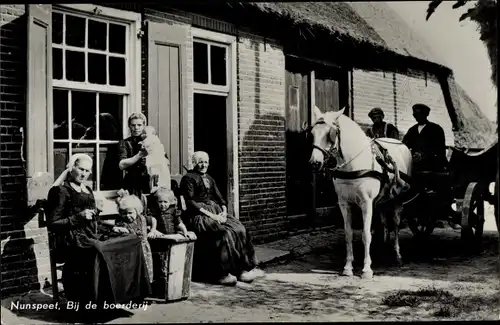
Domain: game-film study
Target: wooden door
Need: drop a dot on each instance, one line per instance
(327, 92)
(298, 171)
(310, 194)
(331, 94)
(167, 95)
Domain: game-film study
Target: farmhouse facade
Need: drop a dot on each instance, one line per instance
(235, 80)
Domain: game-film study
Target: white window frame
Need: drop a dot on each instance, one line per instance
(133, 92)
(230, 90)
(217, 39)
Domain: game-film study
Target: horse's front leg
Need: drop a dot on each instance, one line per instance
(367, 209)
(346, 214)
(398, 210)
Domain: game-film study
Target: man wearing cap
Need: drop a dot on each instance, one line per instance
(381, 129)
(426, 141)
(427, 144)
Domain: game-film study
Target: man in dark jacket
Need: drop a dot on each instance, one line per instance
(381, 129)
(426, 142)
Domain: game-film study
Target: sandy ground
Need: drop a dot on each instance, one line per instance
(438, 281)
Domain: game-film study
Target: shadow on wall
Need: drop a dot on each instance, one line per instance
(18, 260)
(262, 165)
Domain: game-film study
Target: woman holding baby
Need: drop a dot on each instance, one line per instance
(136, 180)
(95, 254)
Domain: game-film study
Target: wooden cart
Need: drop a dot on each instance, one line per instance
(458, 194)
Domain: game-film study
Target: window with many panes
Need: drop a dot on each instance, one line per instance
(210, 61)
(91, 89)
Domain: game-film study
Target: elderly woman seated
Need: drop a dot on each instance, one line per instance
(224, 252)
(101, 265)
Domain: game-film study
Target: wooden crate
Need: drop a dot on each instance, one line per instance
(172, 263)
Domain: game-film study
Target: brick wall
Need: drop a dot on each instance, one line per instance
(396, 93)
(371, 89)
(261, 137)
(24, 247)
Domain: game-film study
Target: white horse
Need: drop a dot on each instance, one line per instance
(357, 175)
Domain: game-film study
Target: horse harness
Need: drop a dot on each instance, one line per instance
(380, 153)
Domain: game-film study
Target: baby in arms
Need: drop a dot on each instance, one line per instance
(157, 164)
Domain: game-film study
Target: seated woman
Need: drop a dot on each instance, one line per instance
(224, 251)
(95, 254)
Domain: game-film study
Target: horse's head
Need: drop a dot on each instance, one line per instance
(326, 138)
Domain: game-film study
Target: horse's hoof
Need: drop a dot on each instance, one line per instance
(367, 275)
(347, 272)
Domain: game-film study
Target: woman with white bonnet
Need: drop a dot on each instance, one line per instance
(224, 252)
(80, 238)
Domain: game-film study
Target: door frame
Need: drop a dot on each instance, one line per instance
(231, 111)
(345, 88)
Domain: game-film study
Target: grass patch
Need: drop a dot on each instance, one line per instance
(406, 298)
(444, 302)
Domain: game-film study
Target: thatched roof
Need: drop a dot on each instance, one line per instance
(395, 32)
(474, 130)
(372, 23)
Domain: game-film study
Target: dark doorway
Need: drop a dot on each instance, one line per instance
(210, 135)
(311, 197)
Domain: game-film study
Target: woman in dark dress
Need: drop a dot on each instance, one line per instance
(224, 251)
(136, 180)
(100, 264)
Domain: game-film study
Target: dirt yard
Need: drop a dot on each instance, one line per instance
(438, 281)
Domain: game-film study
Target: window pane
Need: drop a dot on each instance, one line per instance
(90, 150)
(61, 158)
(97, 35)
(293, 97)
(83, 114)
(117, 38)
(75, 31)
(111, 175)
(75, 66)
(60, 106)
(200, 61)
(116, 71)
(97, 68)
(110, 117)
(57, 64)
(218, 65)
(57, 28)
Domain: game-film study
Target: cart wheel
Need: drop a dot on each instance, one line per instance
(473, 214)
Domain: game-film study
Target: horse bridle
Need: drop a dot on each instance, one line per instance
(334, 148)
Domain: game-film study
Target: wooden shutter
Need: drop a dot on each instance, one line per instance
(39, 152)
(167, 91)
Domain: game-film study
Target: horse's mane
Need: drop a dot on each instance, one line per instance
(356, 137)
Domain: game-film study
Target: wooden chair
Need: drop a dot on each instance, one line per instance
(55, 267)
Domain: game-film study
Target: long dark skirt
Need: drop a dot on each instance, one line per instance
(112, 271)
(220, 248)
